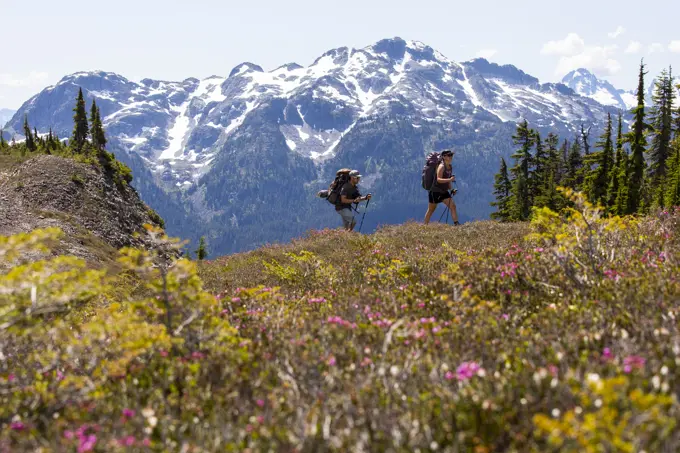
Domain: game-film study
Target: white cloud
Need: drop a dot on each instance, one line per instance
(34, 78)
(615, 34)
(655, 47)
(674, 46)
(634, 47)
(571, 45)
(486, 53)
(599, 59)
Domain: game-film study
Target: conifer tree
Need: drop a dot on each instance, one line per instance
(549, 179)
(585, 135)
(574, 165)
(637, 141)
(96, 128)
(597, 177)
(540, 161)
(201, 251)
(502, 190)
(661, 118)
(3, 143)
(672, 195)
(101, 136)
(521, 203)
(614, 175)
(80, 127)
(30, 142)
(563, 157)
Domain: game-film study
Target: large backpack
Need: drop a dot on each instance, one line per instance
(430, 170)
(332, 195)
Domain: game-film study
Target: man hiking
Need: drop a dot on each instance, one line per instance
(440, 189)
(350, 194)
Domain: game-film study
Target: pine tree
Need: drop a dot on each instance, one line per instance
(597, 178)
(3, 143)
(549, 178)
(574, 166)
(101, 136)
(201, 251)
(30, 142)
(80, 128)
(637, 140)
(521, 203)
(672, 195)
(614, 175)
(563, 158)
(661, 118)
(502, 190)
(540, 161)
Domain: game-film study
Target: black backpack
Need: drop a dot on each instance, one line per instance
(430, 170)
(332, 195)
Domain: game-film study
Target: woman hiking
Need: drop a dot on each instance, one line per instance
(440, 189)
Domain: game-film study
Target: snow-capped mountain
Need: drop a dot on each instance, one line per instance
(587, 84)
(5, 116)
(231, 143)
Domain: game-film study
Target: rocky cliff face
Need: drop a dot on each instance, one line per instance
(97, 215)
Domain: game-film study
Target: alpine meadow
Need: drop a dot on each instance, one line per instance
(247, 263)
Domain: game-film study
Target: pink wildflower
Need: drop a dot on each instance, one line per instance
(11, 377)
(366, 361)
(236, 299)
(449, 375)
(505, 316)
(553, 370)
(87, 443)
(197, 355)
(260, 403)
(127, 441)
(128, 413)
(421, 305)
(17, 426)
(607, 354)
(633, 362)
(331, 361)
(466, 370)
(260, 419)
(163, 353)
(404, 306)
(146, 442)
(69, 434)
(317, 300)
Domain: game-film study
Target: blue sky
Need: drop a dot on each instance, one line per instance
(172, 39)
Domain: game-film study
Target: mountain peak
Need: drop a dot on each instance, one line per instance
(507, 71)
(244, 68)
(587, 84)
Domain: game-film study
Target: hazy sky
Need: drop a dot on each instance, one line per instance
(43, 40)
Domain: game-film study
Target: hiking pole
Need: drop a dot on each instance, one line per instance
(362, 217)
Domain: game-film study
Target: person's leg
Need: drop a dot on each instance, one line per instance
(452, 207)
(431, 206)
(347, 219)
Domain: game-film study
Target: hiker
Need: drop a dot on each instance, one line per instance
(349, 193)
(440, 190)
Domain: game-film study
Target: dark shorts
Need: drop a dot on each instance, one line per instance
(438, 197)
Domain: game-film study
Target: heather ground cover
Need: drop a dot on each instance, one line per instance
(559, 335)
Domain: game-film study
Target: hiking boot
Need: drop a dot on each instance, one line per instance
(456, 223)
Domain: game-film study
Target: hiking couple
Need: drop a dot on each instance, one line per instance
(437, 178)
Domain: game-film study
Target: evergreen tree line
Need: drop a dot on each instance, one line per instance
(626, 174)
(88, 140)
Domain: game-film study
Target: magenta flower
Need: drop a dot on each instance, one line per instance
(87, 443)
(633, 362)
(466, 370)
(317, 300)
(197, 355)
(236, 299)
(505, 316)
(607, 354)
(11, 377)
(449, 375)
(17, 426)
(128, 413)
(331, 361)
(69, 434)
(127, 441)
(260, 403)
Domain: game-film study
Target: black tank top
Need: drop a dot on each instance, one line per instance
(442, 187)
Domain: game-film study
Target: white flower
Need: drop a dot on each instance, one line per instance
(394, 370)
(664, 370)
(152, 421)
(148, 412)
(593, 377)
(555, 412)
(434, 446)
(656, 382)
(598, 402)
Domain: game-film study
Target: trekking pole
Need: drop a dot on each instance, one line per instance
(362, 217)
